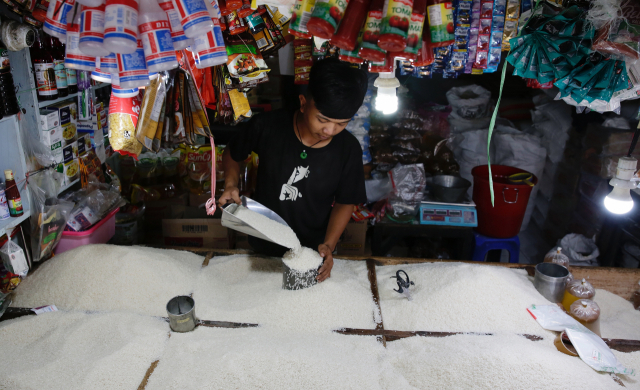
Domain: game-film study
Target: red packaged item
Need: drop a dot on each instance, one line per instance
(302, 11)
(425, 56)
(246, 9)
(414, 38)
(369, 49)
(395, 25)
(326, 18)
(440, 21)
(361, 214)
(385, 66)
(621, 37)
(301, 72)
(223, 24)
(347, 34)
(302, 50)
(235, 25)
(123, 118)
(232, 5)
(224, 11)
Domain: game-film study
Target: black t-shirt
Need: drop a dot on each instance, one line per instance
(301, 191)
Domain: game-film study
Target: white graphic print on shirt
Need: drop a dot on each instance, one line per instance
(289, 192)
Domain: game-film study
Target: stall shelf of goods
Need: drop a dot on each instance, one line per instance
(48, 103)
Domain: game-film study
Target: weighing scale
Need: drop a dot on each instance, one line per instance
(448, 214)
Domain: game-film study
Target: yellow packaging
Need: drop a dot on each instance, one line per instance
(239, 103)
(150, 114)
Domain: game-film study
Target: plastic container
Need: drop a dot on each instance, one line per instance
(350, 26)
(91, 3)
(121, 26)
(209, 49)
(180, 41)
(100, 76)
(395, 25)
(132, 69)
(194, 17)
(505, 219)
(326, 18)
(109, 64)
(155, 33)
(55, 23)
(369, 49)
(100, 233)
(92, 31)
(302, 11)
(352, 55)
(414, 35)
(74, 58)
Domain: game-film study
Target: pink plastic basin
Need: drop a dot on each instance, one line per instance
(100, 233)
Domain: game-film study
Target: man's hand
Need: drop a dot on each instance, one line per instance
(325, 271)
(230, 194)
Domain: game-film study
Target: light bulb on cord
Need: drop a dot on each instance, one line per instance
(619, 199)
(387, 83)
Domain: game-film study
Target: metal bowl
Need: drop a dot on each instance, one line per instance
(447, 188)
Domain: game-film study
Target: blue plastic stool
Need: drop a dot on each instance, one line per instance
(484, 244)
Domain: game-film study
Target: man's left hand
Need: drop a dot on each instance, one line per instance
(325, 271)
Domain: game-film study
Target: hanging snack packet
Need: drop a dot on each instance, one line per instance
(123, 118)
(510, 23)
(150, 114)
(244, 57)
(198, 168)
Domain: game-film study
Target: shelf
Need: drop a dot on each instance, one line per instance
(64, 188)
(48, 103)
(7, 225)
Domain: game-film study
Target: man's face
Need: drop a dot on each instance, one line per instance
(322, 128)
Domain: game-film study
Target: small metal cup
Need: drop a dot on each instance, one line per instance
(550, 280)
(182, 313)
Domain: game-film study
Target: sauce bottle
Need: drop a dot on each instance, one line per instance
(414, 37)
(13, 195)
(395, 25)
(180, 41)
(155, 33)
(302, 11)
(121, 26)
(425, 55)
(55, 46)
(44, 68)
(351, 25)
(326, 18)
(369, 49)
(92, 31)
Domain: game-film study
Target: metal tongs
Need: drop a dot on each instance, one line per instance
(403, 285)
(230, 220)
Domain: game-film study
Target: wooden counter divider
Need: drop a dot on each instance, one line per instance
(373, 281)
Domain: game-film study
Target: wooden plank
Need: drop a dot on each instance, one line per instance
(150, 370)
(373, 282)
(207, 258)
(225, 324)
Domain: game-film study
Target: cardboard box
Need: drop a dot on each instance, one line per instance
(352, 241)
(200, 232)
(241, 240)
(49, 119)
(71, 165)
(68, 114)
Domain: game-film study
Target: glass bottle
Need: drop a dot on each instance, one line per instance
(13, 195)
(43, 66)
(58, 66)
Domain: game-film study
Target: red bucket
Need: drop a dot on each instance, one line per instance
(505, 219)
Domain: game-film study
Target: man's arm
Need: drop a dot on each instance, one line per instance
(340, 216)
(231, 177)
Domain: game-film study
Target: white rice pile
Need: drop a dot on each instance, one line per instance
(618, 318)
(460, 297)
(266, 359)
(491, 362)
(277, 232)
(111, 278)
(302, 259)
(64, 350)
(248, 289)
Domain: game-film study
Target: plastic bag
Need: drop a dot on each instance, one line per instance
(620, 37)
(378, 189)
(587, 312)
(13, 258)
(556, 256)
(581, 289)
(470, 102)
(408, 182)
(591, 349)
(580, 249)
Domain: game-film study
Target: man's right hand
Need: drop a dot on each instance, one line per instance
(230, 194)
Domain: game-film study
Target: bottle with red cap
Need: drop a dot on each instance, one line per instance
(92, 31)
(395, 25)
(155, 32)
(369, 49)
(414, 36)
(326, 18)
(351, 25)
(180, 41)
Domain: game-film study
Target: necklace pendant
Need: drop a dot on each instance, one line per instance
(303, 155)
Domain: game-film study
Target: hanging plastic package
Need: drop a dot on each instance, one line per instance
(209, 48)
(326, 18)
(194, 17)
(121, 26)
(74, 58)
(55, 23)
(440, 19)
(132, 69)
(152, 104)
(302, 10)
(123, 118)
(352, 55)
(395, 25)
(155, 33)
(180, 41)
(621, 36)
(369, 49)
(351, 26)
(414, 35)
(244, 58)
(109, 63)
(92, 31)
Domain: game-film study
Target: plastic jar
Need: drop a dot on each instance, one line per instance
(121, 26)
(74, 58)
(109, 64)
(92, 31)
(326, 18)
(395, 25)
(369, 49)
(180, 41)
(351, 25)
(100, 76)
(194, 17)
(55, 22)
(209, 50)
(132, 69)
(155, 33)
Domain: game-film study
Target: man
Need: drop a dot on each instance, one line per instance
(310, 170)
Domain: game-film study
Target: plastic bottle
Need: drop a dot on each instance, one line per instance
(132, 69)
(92, 31)
(194, 17)
(326, 18)
(180, 41)
(44, 68)
(302, 11)
(121, 26)
(209, 49)
(155, 33)
(91, 3)
(54, 24)
(74, 58)
(100, 75)
(55, 47)
(109, 64)
(395, 24)
(369, 49)
(4, 207)
(414, 36)
(351, 25)
(14, 200)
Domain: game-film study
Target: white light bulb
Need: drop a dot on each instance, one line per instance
(619, 201)
(387, 101)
